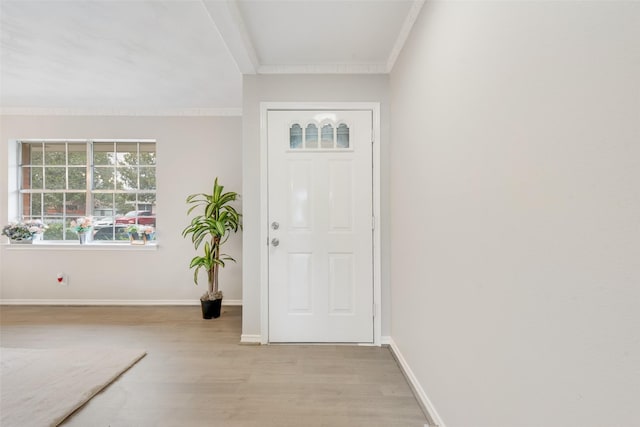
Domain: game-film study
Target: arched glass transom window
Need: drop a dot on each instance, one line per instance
(295, 136)
(327, 137)
(311, 136)
(342, 136)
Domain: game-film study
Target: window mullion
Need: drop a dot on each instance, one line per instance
(44, 168)
(137, 178)
(20, 182)
(64, 216)
(89, 181)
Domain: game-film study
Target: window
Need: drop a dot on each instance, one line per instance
(295, 136)
(343, 136)
(311, 136)
(329, 137)
(113, 181)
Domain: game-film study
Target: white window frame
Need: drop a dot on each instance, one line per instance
(15, 192)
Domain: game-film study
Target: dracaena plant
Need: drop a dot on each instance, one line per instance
(209, 230)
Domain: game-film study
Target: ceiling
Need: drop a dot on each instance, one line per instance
(183, 56)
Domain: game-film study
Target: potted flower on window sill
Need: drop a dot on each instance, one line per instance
(212, 227)
(24, 232)
(140, 234)
(82, 226)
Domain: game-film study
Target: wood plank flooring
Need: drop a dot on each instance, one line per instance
(197, 374)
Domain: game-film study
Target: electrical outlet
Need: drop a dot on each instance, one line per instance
(61, 278)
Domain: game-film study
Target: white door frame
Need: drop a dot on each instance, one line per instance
(374, 107)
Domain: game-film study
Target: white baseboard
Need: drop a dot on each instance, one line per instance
(250, 339)
(427, 407)
(109, 302)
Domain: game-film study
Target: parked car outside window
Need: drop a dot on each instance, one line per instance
(137, 217)
(114, 232)
(105, 221)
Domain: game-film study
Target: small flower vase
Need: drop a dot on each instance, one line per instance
(137, 238)
(82, 236)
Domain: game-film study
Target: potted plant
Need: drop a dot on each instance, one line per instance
(24, 232)
(210, 230)
(82, 226)
(140, 234)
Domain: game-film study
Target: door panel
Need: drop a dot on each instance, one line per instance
(320, 194)
(341, 195)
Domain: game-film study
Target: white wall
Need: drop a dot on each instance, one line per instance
(191, 152)
(515, 194)
(302, 88)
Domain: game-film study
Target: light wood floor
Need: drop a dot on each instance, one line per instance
(197, 374)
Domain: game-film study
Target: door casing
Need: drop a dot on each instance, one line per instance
(374, 107)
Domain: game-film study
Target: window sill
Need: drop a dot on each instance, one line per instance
(75, 246)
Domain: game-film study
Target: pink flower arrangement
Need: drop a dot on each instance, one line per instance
(138, 229)
(24, 230)
(146, 229)
(82, 224)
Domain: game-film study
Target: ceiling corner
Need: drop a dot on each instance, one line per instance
(323, 69)
(403, 35)
(227, 18)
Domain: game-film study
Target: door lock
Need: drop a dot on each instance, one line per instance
(275, 225)
(275, 241)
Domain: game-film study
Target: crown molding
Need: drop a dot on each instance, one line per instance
(324, 69)
(227, 19)
(161, 112)
(403, 35)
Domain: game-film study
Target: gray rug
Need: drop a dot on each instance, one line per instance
(42, 387)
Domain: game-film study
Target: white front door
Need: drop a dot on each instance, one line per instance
(320, 226)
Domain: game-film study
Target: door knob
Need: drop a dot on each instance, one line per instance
(275, 241)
